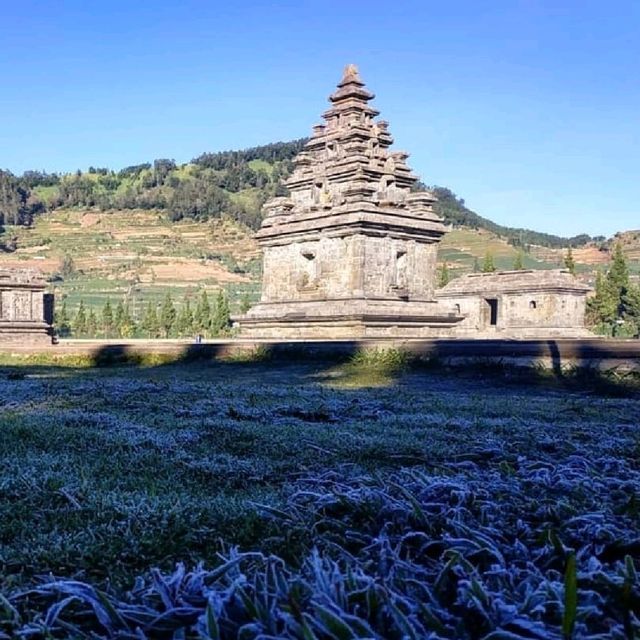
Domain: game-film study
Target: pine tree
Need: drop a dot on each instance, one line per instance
(67, 266)
(80, 321)
(518, 263)
(202, 315)
(167, 315)
(150, 324)
(612, 303)
(62, 323)
(569, 262)
(632, 309)
(119, 319)
(444, 278)
(184, 323)
(618, 276)
(245, 303)
(603, 306)
(107, 319)
(92, 324)
(488, 266)
(221, 317)
(127, 327)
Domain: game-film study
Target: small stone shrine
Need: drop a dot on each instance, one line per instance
(351, 252)
(26, 311)
(518, 304)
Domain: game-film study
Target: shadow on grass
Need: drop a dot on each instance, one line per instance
(247, 441)
(574, 365)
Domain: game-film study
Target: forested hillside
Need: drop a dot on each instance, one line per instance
(233, 183)
(131, 242)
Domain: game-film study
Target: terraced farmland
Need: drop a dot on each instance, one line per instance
(137, 256)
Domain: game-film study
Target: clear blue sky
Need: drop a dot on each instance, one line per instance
(530, 110)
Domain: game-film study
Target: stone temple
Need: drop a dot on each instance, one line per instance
(26, 311)
(518, 304)
(351, 252)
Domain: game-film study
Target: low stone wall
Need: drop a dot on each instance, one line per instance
(557, 354)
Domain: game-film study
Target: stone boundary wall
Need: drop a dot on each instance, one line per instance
(557, 354)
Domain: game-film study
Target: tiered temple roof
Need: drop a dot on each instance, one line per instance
(347, 167)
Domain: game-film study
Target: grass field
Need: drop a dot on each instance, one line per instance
(366, 501)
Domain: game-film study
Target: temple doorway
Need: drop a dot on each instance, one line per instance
(491, 312)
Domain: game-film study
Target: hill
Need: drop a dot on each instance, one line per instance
(147, 230)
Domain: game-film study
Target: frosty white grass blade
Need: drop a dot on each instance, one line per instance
(404, 556)
(520, 522)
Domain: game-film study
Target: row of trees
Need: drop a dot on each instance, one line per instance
(202, 190)
(17, 204)
(272, 153)
(489, 266)
(166, 320)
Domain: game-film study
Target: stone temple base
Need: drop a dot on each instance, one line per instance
(27, 333)
(347, 319)
(521, 333)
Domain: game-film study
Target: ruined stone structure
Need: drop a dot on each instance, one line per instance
(351, 252)
(518, 304)
(26, 311)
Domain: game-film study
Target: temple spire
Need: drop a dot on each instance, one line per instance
(350, 74)
(351, 87)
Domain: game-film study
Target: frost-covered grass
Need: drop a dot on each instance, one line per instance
(432, 504)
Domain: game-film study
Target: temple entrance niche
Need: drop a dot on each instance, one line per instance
(490, 312)
(308, 279)
(400, 283)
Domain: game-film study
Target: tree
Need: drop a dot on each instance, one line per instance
(221, 318)
(13, 200)
(161, 169)
(167, 315)
(518, 263)
(632, 309)
(80, 321)
(569, 262)
(67, 266)
(127, 326)
(150, 323)
(444, 277)
(202, 315)
(118, 318)
(92, 324)
(602, 307)
(488, 266)
(184, 322)
(123, 324)
(618, 276)
(107, 319)
(62, 323)
(614, 302)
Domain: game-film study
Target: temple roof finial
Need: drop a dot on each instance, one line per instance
(350, 74)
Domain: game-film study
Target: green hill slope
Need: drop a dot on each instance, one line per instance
(140, 232)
